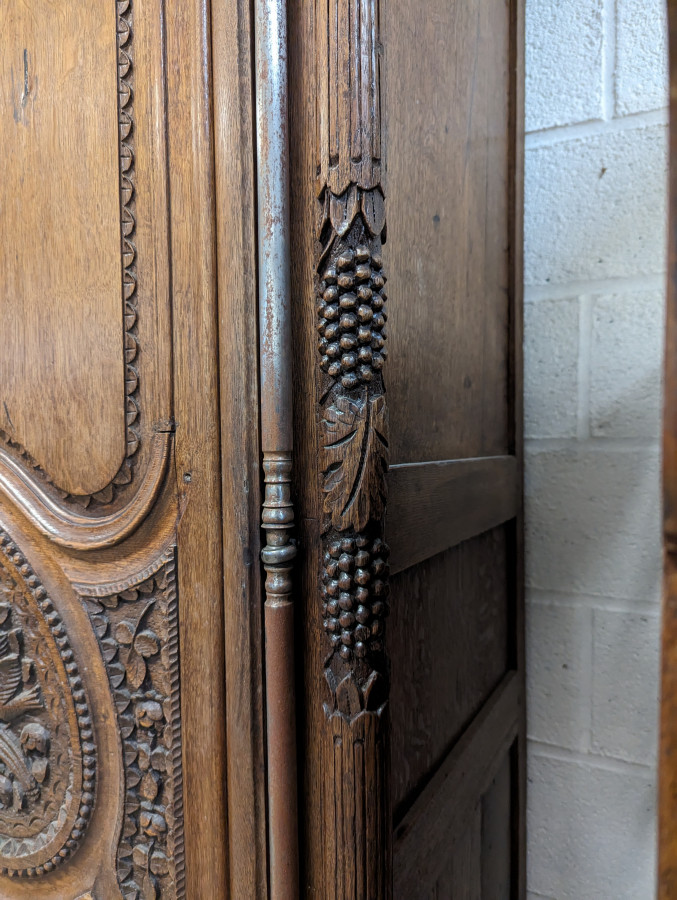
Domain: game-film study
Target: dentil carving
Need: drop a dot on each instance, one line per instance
(47, 749)
(137, 627)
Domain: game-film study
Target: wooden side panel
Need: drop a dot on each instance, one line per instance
(449, 639)
(436, 95)
(447, 106)
(461, 878)
(497, 855)
(454, 256)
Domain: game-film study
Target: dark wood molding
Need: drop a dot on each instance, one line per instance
(434, 506)
(441, 812)
(353, 459)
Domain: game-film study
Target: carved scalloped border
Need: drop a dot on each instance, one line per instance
(125, 473)
(17, 560)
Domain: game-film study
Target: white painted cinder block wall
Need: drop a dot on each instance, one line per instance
(594, 294)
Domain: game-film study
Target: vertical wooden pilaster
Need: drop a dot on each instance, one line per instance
(351, 310)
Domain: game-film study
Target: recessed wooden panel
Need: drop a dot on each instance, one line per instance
(497, 819)
(61, 366)
(460, 878)
(449, 649)
(447, 253)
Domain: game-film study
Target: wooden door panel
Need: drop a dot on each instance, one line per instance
(109, 458)
(447, 254)
(86, 324)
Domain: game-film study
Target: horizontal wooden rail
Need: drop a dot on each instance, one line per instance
(434, 506)
(442, 811)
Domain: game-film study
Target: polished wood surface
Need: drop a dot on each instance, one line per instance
(437, 505)
(449, 140)
(111, 573)
(132, 662)
(60, 229)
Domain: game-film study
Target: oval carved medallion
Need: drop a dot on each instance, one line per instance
(47, 751)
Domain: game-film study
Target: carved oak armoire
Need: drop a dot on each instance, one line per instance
(260, 450)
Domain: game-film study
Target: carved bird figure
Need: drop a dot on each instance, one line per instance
(11, 703)
(24, 784)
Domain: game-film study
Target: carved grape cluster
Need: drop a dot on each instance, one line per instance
(354, 594)
(352, 318)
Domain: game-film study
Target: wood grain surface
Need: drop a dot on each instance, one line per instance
(61, 369)
(232, 41)
(434, 506)
(447, 108)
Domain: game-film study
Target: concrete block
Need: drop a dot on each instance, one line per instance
(641, 77)
(626, 365)
(593, 522)
(591, 831)
(563, 62)
(596, 207)
(625, 685)
(559, 655)
(551, 368)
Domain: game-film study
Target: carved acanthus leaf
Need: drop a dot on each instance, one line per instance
(355, 459)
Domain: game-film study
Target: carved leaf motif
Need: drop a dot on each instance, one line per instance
(109, 649)
(343, 209)
(373, 209)
(149, 888)
(355, 458)
(124, 632)
(146, 644)
(136, 669)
